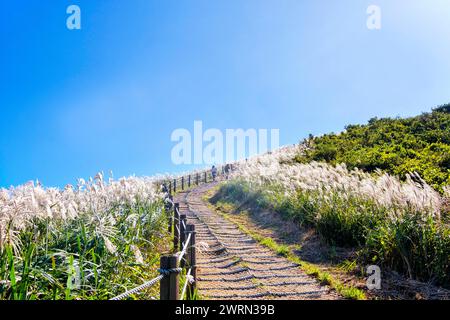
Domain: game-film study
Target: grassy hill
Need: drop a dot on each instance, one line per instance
(398, 146)
(396, 220)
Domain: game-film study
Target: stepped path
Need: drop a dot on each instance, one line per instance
(234, 266)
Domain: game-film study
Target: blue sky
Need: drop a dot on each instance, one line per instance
(108, 96)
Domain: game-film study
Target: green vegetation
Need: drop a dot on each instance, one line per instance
(413, 244)
(417, 246)
(389, 214)
(95, 256)
(398, 146)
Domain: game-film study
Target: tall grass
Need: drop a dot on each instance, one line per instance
(400, 224)
(92, 241)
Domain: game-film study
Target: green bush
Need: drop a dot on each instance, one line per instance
(399, 146)
(346, 223)
(411, 244)
(419, 247)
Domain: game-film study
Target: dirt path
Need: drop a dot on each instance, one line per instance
(234, 266)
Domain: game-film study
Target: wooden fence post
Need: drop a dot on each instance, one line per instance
(205, 177)
(169, 211)
(192, 260)
(182, 183)
(170, 187)
(182, 229)
(189, 181)
(182, 232)
(196, 178)
(174, 185)
(169, 285)
(176, 226)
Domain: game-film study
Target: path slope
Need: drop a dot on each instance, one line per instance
(234, 266)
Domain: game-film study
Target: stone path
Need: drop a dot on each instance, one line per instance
(234, 266)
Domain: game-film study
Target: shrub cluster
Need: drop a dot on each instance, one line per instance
(398, 146)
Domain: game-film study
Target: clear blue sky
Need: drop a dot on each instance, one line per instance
(107, 97)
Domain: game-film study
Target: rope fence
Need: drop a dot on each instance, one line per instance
(188, 280)
(183, 252)
(138, 289)
(172, 265)
(183, 183)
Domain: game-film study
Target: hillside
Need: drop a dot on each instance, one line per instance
(297, 212)
(398, 146)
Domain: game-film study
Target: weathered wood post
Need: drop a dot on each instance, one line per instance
(192, 260)
(183, 222)
(182, 229)
(189, 181)
(170, 187)
(176, 226)
(170, 213)
(174, 185)
(205, 177)
(182, 183)
(169, 285)
(196, 178)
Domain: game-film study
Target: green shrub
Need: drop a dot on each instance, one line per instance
(346, 223)
(412, 244)
(398, 146)
(419, 247)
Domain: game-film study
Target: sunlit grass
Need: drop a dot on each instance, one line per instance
(90, 242)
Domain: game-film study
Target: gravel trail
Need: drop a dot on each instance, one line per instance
(234, 266)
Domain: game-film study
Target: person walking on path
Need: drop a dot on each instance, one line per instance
(227, 170)
(214, 172)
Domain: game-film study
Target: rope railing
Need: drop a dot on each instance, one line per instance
(183, 252)
(194, 179)
(166, 272)
(187, 254)
(147, 284)
(188, 279)
(171, 266)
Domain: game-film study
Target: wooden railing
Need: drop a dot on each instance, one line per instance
(190, 180)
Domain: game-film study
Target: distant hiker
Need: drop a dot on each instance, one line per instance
(227, 170)
(214, 172)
